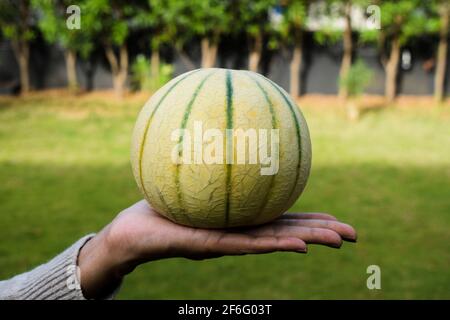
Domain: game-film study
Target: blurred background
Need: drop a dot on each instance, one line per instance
(371, 78)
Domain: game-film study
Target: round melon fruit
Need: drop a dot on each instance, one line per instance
(218, 148)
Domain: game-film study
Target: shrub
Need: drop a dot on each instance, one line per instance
(142, 79)
(357, 79)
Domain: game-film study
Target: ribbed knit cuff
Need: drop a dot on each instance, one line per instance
(54, 280)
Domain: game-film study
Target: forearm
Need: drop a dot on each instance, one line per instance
(56, 279)
(100, 272)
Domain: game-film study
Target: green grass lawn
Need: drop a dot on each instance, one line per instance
(64, 172)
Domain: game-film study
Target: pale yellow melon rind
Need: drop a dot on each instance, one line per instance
(305, 150)
(284, 182)
(141, 125)
(195, 195)
(159, 171)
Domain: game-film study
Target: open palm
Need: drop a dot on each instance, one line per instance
(139, 234)
(147, 235)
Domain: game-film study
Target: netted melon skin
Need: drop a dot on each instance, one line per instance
(219, 195)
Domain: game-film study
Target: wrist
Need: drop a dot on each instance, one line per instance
(101, 268)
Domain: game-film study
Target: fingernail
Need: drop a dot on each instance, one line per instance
(338, 246)
(303, 250)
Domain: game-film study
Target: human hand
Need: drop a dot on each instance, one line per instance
(139, 234)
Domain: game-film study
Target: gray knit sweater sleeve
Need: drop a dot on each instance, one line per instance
(54, 280)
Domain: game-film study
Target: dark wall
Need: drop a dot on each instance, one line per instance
(320, 66)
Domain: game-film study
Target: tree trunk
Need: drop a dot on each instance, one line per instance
(352, 107)
(205, 52)
(296, 68)
(22, 51)
(89, 74)
(118, 85)
(154, 62)
(71, 63)
(348, 49)
(212, 54)
(188, 63)
(392, 70)
(441, 65)
(119, 68)
(21, 46)
(123, 69)
(24, 70)
(209, 53)
(255, 53)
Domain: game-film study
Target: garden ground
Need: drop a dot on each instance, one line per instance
(65, 172)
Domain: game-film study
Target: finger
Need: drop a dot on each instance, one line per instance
(346, 231)
(313, 215)
(237, 243)
(310, 235)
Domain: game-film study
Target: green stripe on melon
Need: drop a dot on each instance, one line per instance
(229, 145)
(219, 195)
(297, 127)
(183, 126)
(304, 162)
(172, 84)
(275, 125)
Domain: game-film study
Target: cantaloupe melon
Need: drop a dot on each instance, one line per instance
(192, 176)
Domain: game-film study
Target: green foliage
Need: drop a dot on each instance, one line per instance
(327, 35)
(178, 18)
(177, 21)
(171, 22)
(157, 17)
(357, 79)
(210, 18)
(17, 20)
(333, 10)
(368, 36)
(142, 79)
(433, 12)
(295, 16)
(403, 18)
(109, 21)
(52, 24)
(253, 16)
(293, 23)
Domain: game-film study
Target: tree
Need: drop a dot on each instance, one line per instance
(337, 9)
(170, 22)
(179, 22)
(348, 47)
(442, 8)
(355, 81)
(17, 25)
(254, 21)
(331, 33)
(156, 17)
(209, 20)
(292, 29)
(400, 20)
(53, 25)
(109, 22)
